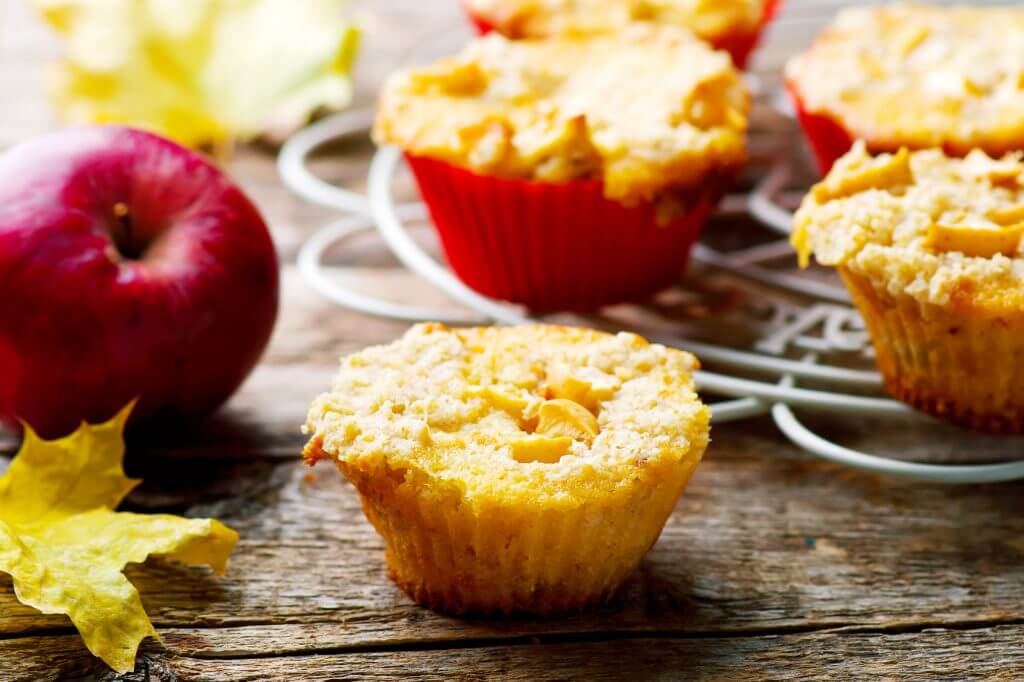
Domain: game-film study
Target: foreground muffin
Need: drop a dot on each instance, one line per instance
(731, 25)
(914, 76)
(930, 248)
(573, 172)
(522, 469)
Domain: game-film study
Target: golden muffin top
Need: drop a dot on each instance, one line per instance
(522, 415)
(920, 76)
(709, 19)
(647, 110)
(944, 230)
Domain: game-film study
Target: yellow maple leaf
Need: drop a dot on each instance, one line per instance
(202, 72)
(65, 547)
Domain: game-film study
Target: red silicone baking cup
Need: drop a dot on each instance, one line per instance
(557, 246)
(739, 45)
(827, 138)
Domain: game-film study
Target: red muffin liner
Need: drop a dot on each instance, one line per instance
(482, 26)
(558, 246)
(827, 138)
(739, 46)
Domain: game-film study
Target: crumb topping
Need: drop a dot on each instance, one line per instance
(920, 76)
(648, 110)
(538, 412)
(944, 230)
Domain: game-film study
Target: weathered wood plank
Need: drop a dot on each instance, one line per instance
(766, 541)
(763, 541)
(239, 654)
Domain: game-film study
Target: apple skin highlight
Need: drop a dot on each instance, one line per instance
(130, 267)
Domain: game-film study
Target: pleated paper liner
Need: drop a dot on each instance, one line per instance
(739, 45)
(544, 560)
(963, 367)
(558, 246)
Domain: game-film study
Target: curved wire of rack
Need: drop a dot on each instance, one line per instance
(379, 211)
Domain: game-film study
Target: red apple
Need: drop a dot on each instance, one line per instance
(129, 267)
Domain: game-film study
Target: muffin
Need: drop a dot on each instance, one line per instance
(930, 248)
(524, 469)
(731, 25)
(914, 76)
(573, 172)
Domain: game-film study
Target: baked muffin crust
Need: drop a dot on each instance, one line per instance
(946, 231)
(920, 76)
(535, 417)
(648, 110)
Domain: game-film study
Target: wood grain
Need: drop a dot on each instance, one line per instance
(758, 544)
(774, 565)
(979, 654)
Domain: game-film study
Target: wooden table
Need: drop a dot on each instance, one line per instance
(775, 565)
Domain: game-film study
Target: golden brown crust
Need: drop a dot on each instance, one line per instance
(314, 450)
(454, 404)
(558, 600)
(647, 110)
(944, 230)
(932, 400)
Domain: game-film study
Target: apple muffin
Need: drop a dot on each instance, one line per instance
(573, 172)
(930, 247)
(525, 469)
(915, 76)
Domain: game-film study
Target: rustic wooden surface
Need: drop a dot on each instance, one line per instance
(774, 565)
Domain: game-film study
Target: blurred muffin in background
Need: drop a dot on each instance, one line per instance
(914, 76)
(571, 172)
(731, 25)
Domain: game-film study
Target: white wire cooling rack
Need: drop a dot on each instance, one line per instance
(823, 332)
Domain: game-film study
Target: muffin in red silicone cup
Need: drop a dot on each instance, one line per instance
(573, 172)
(731, 25)
(913, 76)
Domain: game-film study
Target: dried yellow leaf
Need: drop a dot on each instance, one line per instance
(199, 71)
(65, 547)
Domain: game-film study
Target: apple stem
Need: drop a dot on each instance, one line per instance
(127, 241)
